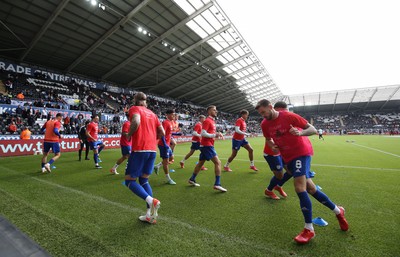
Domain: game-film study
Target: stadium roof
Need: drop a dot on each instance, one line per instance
(185, 49)
(385, 98)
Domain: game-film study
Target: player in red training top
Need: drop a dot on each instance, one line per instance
(51, 141)
(287, 132)
(92, 136)
(125, 144)
(276, 164)
(144, 131)
(207, 151)
(195, 141)
(176, 131)
(238, 141)
(164, 147)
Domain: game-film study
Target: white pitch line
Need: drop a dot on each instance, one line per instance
(395, 155)
(164, 218)
(322, 165)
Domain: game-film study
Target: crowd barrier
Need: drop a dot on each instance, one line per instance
(18, 147)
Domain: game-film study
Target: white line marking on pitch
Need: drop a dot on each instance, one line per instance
(322, 165)
(395, 155)
(164, 218)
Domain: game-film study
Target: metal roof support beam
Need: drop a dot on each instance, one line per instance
(108, 34)
(205, 75)
(44, 28)
(190, 48)
(234, 103)
(369, 100)
(390, 97)
(352, 99)
(194, 65)
(215, 89)
(157, 40)
(319, 101)
(334, 102)
(216, 95)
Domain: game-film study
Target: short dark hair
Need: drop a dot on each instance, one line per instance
(262, 102)
(211, 106)
(170, 111)
(244, 111)
(280, 105)
(59, 115)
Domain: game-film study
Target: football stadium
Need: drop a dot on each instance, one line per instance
(151, 128)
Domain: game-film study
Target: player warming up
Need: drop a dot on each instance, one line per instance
(207, 151)
(144, 131)
(238, 141)
(195, 141)
(164, 147)
(51, 141)
(125, 144)
(275, 163)
(92, 136)
(289, 133)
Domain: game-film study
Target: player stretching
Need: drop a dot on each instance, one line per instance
(195, 141)
(207, 151)
(92, 136)
(275, 163)
(288, 132)
(51, 141)
(238, 141)
(164, 146)
(175, 132)
(144, 131)
(125, 144)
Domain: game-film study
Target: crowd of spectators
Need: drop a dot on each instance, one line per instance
(39, 91)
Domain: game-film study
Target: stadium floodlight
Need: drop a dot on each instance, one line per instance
(173, 49)
(165, 44)
(144, 32)
(102, 6)
(140, 29)
(93, 2)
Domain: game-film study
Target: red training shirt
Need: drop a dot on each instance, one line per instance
(93, 130)
(241, 123)
(210, 128)
(145, 137)
(49, 135)
(125, 129)
(197, 128)
(168, 127)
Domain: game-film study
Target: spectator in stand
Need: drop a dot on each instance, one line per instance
(25, 134)
(67, 127)
(44, 113)
(18, 111)
(20, 96)
(12, 128)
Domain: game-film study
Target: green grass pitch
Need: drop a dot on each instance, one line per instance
(80, 211)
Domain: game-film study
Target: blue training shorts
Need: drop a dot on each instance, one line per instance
(207, 153)
(274, 162)
(195, 146)
(300, 166)
(55, 146)
(95, 145)
(165, 152)
(125, 150)
(140, 163)
(236, 144)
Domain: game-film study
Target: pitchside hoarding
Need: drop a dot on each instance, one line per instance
(17, 147)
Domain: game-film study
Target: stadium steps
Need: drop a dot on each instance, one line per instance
(14, 243)
(2, 88)
(109, 105)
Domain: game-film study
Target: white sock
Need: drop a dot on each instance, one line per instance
(168, 177)
(251, 163)
(227, 164)
(159, 165)
(115, 166)
(148, 212)
(149, 200)
(309, 226)
(336, 210)
(183, 161)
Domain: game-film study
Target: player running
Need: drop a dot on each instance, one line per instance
(287, 132)
(144, 131)
(52, 138)
(125, 144)
(207, 151)
(92, 136)
(195, 141)
(164, 146)
(238, 141)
